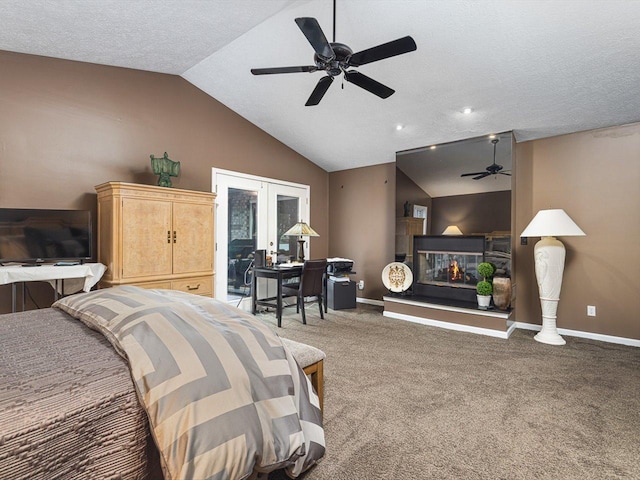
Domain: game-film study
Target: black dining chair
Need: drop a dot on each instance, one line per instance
(310, 285)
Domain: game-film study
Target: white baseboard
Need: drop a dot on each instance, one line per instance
(505, 335)
(370, 301)
(528, 326)
(580, 334)
(452, 326)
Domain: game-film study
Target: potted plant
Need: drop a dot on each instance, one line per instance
(484, 288)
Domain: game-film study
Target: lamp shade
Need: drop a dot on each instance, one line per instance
(301, 228)
(552, 223)
(452, 230)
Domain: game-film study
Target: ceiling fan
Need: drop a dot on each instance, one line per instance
(493, 169)
(337, 58)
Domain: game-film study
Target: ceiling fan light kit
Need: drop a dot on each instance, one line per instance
(337, 58)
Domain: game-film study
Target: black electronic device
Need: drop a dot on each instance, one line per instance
(339, 267)
(260, 258)
(37, 235)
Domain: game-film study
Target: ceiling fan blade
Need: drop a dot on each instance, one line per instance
(504, 173)
(321, 88)
(386, 50)
(472, 174)
(368, 84)
(311, 29)
(485, 174)
(269, 71)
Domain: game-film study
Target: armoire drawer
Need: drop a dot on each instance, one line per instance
(195, 285)
(164, 285)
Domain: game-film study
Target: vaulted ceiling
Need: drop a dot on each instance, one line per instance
(539, 68)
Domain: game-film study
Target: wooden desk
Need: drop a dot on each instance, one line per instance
(279, 274)
(86, 276)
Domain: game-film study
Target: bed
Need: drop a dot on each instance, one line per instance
(74, 406)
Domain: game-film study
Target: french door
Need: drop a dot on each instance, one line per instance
(252, 213)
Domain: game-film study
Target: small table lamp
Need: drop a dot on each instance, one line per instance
(549, 256)
(301, 229)
(452, 230)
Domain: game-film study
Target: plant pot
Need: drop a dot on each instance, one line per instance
(502, 293)
(484, 301)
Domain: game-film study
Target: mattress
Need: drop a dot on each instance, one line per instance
(68, 408)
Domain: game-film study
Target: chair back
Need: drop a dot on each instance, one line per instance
(311, 279)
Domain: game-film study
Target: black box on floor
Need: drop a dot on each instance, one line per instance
(341, 295)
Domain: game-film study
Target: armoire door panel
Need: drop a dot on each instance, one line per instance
(146, 238)
(193, 246)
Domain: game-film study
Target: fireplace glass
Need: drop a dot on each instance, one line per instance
(446, 267)
(452, 269)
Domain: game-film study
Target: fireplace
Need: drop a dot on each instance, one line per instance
(445, 267)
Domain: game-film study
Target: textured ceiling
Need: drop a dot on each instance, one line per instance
(168, 36)
(539, 68)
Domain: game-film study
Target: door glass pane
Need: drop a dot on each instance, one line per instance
(242, 235)
(287, 217)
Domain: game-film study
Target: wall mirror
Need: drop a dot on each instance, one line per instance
(432, 196)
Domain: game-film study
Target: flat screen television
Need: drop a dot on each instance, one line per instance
(40, 236)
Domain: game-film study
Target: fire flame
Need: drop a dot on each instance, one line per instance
(456, 274)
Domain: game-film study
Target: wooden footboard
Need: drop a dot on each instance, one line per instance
(311, 360)
(315, 371)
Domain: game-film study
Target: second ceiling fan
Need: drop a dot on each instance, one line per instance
(493, 169)
(337, 58)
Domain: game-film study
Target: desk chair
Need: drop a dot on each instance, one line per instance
(310, 285)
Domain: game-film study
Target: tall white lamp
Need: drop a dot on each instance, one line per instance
(549, 256)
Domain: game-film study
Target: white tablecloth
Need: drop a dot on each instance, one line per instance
(76, 277)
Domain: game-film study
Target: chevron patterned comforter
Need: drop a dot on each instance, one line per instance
(225, 399)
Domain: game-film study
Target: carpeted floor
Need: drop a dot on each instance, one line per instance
(407, 401)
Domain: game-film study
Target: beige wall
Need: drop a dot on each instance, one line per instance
(524, 281)
(362, 222)
(67, 126)
(594, 176)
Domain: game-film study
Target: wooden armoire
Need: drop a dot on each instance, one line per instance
(156, 237)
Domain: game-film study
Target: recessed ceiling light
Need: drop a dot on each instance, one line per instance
(467, 110)
(399, 127)
(432, 147)
(492, 136)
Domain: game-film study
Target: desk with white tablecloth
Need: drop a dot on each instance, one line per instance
(78, 277)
